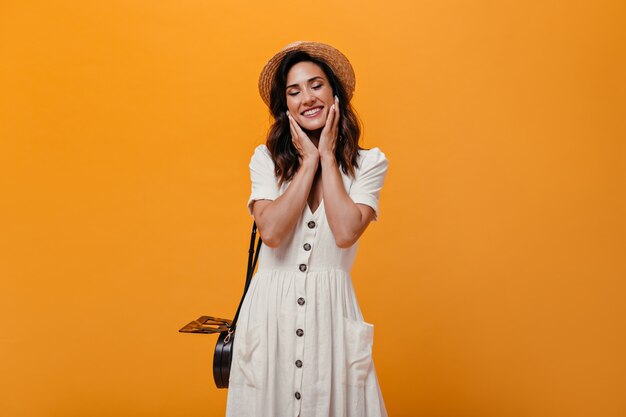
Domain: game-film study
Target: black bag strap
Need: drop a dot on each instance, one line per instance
(253, 256)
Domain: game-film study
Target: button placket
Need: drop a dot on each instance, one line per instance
(309, 229)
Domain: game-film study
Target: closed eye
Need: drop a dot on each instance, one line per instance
(314, 87)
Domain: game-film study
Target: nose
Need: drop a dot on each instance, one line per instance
(308, 97)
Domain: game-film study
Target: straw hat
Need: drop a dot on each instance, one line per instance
(331, 56)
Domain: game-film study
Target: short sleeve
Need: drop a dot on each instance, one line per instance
(264, 181)
(369, 179)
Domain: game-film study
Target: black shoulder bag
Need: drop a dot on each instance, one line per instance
(222, 357)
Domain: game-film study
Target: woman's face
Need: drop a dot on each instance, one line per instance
(309, 95)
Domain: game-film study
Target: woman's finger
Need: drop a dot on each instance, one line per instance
(327, 131)
(337, 114)
(301, 141)
(330, 120)
(292, 129)
(299, 130)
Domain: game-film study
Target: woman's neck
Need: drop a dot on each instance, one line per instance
(314, 135)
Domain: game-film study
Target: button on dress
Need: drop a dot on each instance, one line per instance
(302, 347)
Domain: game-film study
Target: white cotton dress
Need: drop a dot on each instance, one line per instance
(302, 347)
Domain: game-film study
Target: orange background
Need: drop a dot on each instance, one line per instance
(495, 277)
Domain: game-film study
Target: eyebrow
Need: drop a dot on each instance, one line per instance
(309, 80)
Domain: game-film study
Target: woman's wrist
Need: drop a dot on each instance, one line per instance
(327, 158)
(310, 161)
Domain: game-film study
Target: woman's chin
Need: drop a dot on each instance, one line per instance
(313, 134)
(312, 126)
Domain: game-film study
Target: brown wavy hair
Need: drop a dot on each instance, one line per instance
(284, 154)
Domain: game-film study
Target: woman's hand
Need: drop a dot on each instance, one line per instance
(328, 138)
(304, 146)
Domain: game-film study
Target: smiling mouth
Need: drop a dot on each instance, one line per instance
(312, 112)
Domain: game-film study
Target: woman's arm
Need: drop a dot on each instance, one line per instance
(276, 219)
(347, 219)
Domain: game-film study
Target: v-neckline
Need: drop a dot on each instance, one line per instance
(314, 213)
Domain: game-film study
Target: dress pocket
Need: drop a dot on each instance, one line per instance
(249, 354)
(358, 341)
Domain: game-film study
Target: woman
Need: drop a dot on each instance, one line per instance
(302, 346)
